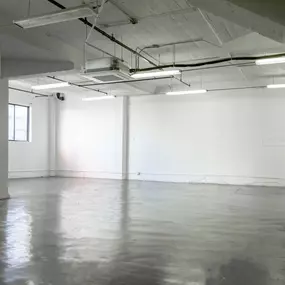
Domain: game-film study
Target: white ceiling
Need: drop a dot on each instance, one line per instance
(159, 22)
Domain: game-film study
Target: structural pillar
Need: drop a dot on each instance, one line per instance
(125, 137)
(4, 121)
(53, 130)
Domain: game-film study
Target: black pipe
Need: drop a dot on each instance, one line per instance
(103, 33)
(220, 66)
(216, 61)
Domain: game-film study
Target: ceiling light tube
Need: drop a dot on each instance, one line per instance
(56, 17)
(273, 60)
(98, 98)
(156, 74)
(275, 86)
(187, 92)
(50, 86)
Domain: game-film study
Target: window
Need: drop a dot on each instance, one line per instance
(19, 123)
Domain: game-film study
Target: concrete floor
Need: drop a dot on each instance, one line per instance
(73, 231)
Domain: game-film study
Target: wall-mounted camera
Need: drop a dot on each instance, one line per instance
(60, 96)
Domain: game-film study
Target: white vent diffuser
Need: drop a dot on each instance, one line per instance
(106, 70)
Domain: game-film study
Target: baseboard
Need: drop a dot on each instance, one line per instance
(52, 173)
(210, 179)
(88, 174)
(28, 174)
(177, 178)
(5, 198)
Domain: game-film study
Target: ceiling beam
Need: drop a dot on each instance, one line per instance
(34, 44)
(132, 18)
(12, 68)
(249, 19)
(152, 16)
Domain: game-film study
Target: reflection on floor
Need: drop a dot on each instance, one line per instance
(83, 231)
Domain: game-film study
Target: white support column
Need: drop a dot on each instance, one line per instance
(53, 120)
(125, 137)
(4, 101)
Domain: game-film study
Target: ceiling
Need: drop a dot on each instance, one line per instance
(201, 32)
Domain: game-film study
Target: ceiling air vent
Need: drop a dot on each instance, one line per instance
(106, 70)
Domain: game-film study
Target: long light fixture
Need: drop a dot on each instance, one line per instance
(50, 86)
(275, 86)
(273, 60)
(187, 92)
(156, 74)
(56, 17)
(107, 97)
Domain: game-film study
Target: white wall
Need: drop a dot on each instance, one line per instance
(233, 137)
(31, 159)
(89, 138)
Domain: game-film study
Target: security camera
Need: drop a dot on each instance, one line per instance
(60, 96)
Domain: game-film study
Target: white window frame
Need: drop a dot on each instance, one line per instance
(28, 123)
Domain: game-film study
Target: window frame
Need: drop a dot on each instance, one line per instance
(28, 123)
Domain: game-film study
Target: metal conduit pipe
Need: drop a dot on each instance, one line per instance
(76, 85)
(103, 33)
(126, 81)
(236, 88)
(203, 63)
(209, 90)
(111, 38)
(156, 46)
(219, 66)
(174, 77)
(30, 92)
(101, 50)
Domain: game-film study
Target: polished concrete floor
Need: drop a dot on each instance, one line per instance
(74, 231)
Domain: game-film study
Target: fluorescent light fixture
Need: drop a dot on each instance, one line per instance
(187, 92)
(155, 74)
(270, 60)
(275, 86)
(56, 17)
(51, 86)
(98, 98)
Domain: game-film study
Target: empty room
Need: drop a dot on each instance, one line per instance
(142, 142)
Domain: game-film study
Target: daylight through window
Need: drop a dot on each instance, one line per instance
(19, 121)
